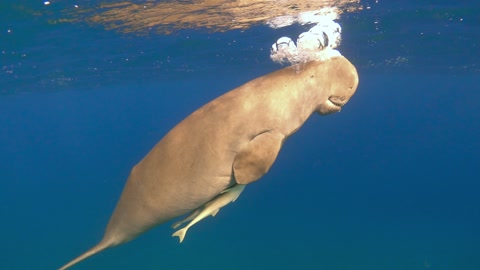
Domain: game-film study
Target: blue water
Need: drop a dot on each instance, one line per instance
(391, 182)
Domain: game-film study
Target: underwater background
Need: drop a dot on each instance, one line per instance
(391, 182)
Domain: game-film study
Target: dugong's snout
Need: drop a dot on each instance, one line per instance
(344, 82)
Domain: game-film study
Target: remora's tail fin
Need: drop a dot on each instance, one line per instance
(180, 233)
(96, 249)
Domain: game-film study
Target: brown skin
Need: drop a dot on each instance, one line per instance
(233, 139)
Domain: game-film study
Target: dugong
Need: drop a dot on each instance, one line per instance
(232, 140)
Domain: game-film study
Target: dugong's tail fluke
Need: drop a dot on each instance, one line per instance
(96, 249)
(181, 234)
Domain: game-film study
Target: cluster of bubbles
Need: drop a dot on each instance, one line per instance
(318, 43)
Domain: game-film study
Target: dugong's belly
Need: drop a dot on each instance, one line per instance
(172, 180)
(191, 165)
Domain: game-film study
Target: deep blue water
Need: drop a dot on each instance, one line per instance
(391, 182)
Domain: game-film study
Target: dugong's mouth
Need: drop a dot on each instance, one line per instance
(337, 101)
(332, 105)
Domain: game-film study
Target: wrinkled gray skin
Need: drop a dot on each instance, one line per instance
(233, 139)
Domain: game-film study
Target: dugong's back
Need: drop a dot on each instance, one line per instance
(193, 163)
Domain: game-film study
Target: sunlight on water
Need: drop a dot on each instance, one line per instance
(215, 15)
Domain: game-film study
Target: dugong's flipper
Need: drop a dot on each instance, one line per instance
(210, 208)
(256, 158)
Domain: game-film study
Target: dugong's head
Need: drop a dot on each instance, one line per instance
(340, 79)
